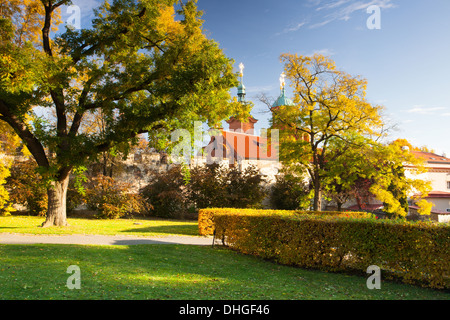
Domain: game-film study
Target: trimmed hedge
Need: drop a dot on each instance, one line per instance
(206, 216)
(414, 252)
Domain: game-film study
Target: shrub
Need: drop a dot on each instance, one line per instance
(243, 189)
(172, 195)
(74, 197)
(413, 252)
(5, 207)
(214, 186)
(26, 187)
(290, 193)
(166, 196)
(206, 186)
(110, 198)
(206, 216)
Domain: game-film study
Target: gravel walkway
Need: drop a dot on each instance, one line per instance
(9, 238)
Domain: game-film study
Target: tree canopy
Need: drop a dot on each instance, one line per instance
(330, 105)
(144, 64)
(333, 133)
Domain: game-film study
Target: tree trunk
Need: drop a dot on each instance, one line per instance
(317, 196)
(56, 212)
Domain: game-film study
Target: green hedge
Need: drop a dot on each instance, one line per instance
(206, 216)
(414, 252)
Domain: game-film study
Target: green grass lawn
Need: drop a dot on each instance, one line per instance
(135, 227)
(170, 272)
(165, 272)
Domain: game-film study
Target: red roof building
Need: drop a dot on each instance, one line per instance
(237, 146)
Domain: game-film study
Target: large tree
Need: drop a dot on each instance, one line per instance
(145, 64)
(333, 133)
(330, 105)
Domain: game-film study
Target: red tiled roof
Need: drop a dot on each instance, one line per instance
(245, 146)
(233, 119)
(431, 157)
(434, 194)
(438, 194)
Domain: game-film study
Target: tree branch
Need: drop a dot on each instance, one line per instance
(32, 143)
(46, 28)
(57, 95)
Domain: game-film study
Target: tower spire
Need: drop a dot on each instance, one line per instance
(282, 83)
(241, 87)
(282, 99)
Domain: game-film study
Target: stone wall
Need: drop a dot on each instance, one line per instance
(138, 169)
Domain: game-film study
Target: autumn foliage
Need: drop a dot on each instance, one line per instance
(413, 252)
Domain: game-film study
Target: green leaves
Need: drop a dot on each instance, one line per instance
(331, 133)
(142, 66)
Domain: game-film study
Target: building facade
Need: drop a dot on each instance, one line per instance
(438, 174)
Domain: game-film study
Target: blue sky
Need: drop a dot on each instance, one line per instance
(406, 61)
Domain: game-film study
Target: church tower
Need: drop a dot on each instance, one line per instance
(283, 101)
(234, 123)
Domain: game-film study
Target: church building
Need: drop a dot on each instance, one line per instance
(240, 146)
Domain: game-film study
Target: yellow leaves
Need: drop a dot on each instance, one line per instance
(424, 207)
(9, 141)
(17, 69)
(5, 164)
(333, 99)
(166, 21)
(26, 16)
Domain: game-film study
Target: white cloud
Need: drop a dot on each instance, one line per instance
(320, 24)
(420, 109)
(332, 5)
(343, 9)
(325, 52)
(327, 11)
(293, 28)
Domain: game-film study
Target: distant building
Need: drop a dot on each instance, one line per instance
(438, 174)
(239, 146)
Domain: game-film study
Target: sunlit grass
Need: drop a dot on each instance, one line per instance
(165, 271)
(170, 272)
(135, 227)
